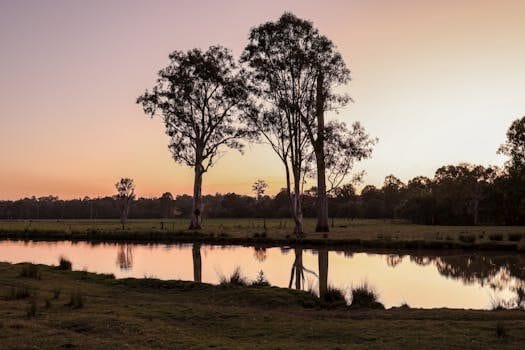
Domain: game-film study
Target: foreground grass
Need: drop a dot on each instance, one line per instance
(368, 233)
(148, 313)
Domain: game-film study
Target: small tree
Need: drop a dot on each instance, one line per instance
(198, 96)
(259, 187)
(124, 197)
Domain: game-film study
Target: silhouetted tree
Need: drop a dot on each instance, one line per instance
(199, 96)
(514, 147)
(282, 82)
(124, 197)
(166, 203)
(392, 192)
(259, 187)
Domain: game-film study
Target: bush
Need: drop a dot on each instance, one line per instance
(496, 237)
(235, 279)
(76, 300)
(334, 295)
(261, 280)
(365, 297)
(64, 264)
(467, 238)
(30, 271)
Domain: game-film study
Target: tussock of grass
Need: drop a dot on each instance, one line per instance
(235, 279)
(30, 271)
(17, 293)
(514, 237)
(465, 238)
(496, 237)
(334, 295)
(363, 296)
(64, 264)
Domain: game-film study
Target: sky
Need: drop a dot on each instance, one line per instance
(437, 82)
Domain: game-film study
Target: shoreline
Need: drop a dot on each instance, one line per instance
(318, 241)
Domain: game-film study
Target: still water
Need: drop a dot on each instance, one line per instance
(420, 279)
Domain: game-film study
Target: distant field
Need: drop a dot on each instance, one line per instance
(386, 231)
(45, 308)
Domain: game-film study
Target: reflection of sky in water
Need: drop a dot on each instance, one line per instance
(455, 281)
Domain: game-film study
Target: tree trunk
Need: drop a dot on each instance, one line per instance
(298, 212)
(322, 200)
(197, 262)
(196, 210)
(323, 272)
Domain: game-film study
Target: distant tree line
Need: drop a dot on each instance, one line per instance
(463, 194)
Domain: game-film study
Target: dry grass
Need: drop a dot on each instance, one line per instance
(148, 313)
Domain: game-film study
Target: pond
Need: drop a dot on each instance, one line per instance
(421, 279)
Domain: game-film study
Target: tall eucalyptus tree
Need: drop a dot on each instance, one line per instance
(199, 96)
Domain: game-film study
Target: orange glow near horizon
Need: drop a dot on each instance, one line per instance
(437, 82)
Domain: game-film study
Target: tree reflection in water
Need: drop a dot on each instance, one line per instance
(259, 253)
(298, 270)
(125, 256)
(197, 262)
(497, 271)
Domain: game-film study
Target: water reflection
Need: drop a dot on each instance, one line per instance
(298, 271)
(422, 279)
(125, 256)
(323, 272)
(197, 262)
(259, 253)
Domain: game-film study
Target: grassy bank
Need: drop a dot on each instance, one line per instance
(363, 233)
(45, 307)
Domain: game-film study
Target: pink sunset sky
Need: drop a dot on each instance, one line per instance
(438, 82)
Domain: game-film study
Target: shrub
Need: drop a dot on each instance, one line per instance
(76, 300)
(496, 237)
(261, 280)
(334, 295)
(235, 279)
(404, 305)
(515, 237)
(64, 264)
(365, 297)
(30, 271)
(467, 238)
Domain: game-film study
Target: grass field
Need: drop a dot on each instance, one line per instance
(373, 233)
(50, 308)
